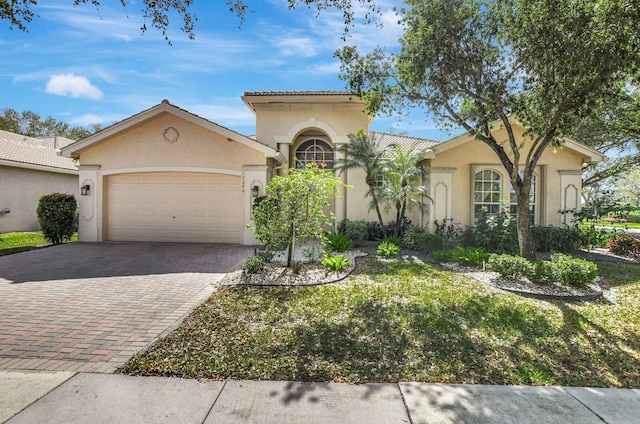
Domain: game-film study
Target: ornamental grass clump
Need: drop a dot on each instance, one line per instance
(338, 242)
(335, 262)
(387, 248)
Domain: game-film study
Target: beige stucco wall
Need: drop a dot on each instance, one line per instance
(283, 122)
(144, 146)
(473, 156)
(20, 189)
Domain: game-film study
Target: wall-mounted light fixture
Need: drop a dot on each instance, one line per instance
(84, 190)
(254, 191)
(5, 211)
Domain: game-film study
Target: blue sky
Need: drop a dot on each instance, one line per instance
(87, 66)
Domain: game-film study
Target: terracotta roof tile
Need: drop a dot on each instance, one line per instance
(34, 151)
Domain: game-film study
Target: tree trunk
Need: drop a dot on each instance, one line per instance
(523, 225)
(375, 203)
(398, 219)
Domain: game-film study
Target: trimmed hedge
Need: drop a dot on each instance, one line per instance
(58, 216)
(561, 269)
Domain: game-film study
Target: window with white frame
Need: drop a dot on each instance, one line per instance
(487, 193)
(315, 151)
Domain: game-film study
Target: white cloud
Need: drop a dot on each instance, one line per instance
(91, 119)
(297, 46)
(73, 86)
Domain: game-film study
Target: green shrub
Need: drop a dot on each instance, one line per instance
(624, 245)
(335, 262)
(448, 231)
(470, 255)
(634, 216)
(58, 216)
(495, 233)
(296, 267)
(387, 248)
(421, 239)
(511, 266)
(356, 231)
(561, 269)
(445, 255)
(254, 264)
(338, 242)
(265, 255)
(565, 239)
(575, 272)
(546, 272)
(592, 235)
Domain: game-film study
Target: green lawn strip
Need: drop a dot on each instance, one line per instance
(23, 241)
(620, 224)
(398, 320)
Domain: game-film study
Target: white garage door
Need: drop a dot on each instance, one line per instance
(174, 206)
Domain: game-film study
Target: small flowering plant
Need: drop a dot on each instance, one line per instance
(613, 219)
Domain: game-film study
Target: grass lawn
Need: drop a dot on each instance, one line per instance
(399, 320)
(21, 242)
(621, 224)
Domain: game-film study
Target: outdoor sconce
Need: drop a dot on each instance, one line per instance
(254, 191)
(84, 190)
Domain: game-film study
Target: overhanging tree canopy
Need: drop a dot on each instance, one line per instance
(472, 62)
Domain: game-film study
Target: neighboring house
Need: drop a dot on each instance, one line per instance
(30, 167)
(166, 174)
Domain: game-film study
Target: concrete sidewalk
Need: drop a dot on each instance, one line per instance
(64, 397)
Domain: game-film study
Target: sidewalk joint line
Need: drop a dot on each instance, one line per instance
(404, 402)
(585, 405)
(214, 402)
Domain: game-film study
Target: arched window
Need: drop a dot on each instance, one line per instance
(487, 192)
(513, 206)
(315, 151)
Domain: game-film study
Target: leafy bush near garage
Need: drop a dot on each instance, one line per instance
(57, 216)
(254, 264)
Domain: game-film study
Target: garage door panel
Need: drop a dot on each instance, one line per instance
(191, 207)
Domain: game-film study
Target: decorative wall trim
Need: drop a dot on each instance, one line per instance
(87, 201)
(312, 122)
(172, 169)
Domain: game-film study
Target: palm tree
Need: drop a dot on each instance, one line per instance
(401, 189)
(367, 153)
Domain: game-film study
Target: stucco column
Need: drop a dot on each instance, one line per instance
(89, 221)
(570, 193)
(440, 190)
(254, 176)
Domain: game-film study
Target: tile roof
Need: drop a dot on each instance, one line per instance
(407, 142)
(35, 151)
(298, 93)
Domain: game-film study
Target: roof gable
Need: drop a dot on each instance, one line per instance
(589, 154)
(74, 149)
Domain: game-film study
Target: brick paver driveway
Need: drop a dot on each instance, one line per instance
(91, 306)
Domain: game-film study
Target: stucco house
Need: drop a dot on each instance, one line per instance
(30, 167)
(166, 174)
